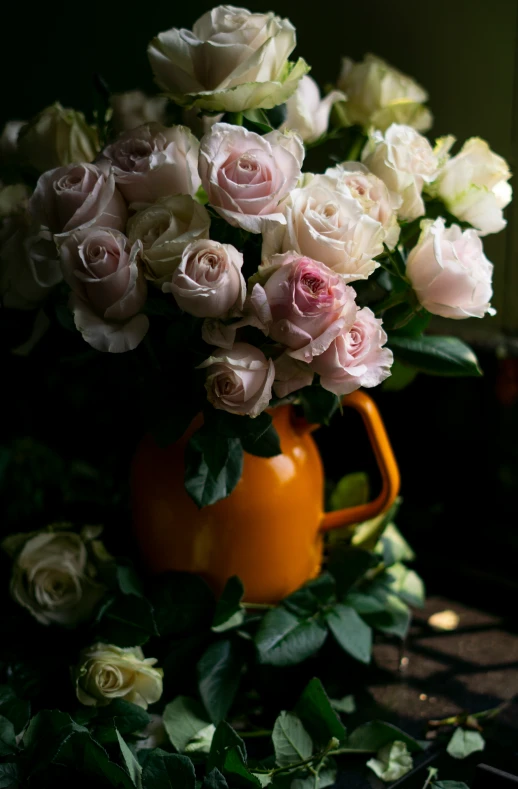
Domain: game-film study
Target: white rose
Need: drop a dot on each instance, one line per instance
(239, 380)
(106, 672)
(379, 95)
(153, 161)
(327, 224)
(165, 229)
(405, 161)
(208, 282)
(247, 176)
(473, 185)
(134, 108)
(307, 113)
(232, 60)
(450, 273)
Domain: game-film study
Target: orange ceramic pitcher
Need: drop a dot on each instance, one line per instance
(269, 531)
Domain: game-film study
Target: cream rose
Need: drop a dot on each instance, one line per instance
(153, 161)
(106, 672)
(307, 113)
(208, 282)
(356, 357)
(247, 176)
(78, 196)
(54, 577)
(450, 273)
(239, 380)
(327, 224)
(165, 229)
(108, 288)
(134, 108)
(232, 60)
(473, 185)
(405, 161)
(379, 95)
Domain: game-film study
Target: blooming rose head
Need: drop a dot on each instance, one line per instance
(164, 230)
(303, 305)
(307, 113)
(54, 576)
(208, 282)
(108, 288)
(356, 357)
(57, 137)
(78, 196)
(154, 161)
(239, 380)
(405, 161)
(231, 61)
(106, 672)
(372, 194)
(473, 185)
(379, 95)
(134, 108)
(327, 224)
(246, 176)
(450, 273)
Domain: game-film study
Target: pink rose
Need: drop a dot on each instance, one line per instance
(356, 357)
(78, 196)
(239, 380)
(246, 176)
(450, 273)
(303, 304)
(154, 161)
(208, 282)
(108, 288)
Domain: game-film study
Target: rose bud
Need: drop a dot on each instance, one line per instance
(239, 380)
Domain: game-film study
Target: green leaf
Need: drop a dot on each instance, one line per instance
(7, 737)
(319, 404)
(183, 719)
(449, 785)
(214, 780)
(405, 583)
(291, 741)
(235, 767)
(311, 597)
(346, 705)
(213, 467)
(464, 742)
(447, 356)
(219, 676)
(8, 775)
(182, 603)
(351, 632)
(401, 376)
(201, 742)
(284, 639)
(128, 581)
(393, 547)
(127, 622)
(45, 735)
(324, 778)
(372, 736)
(119, 715)
(266, 445)
(258, 121)
(317, 714)
(162, 770)
(88, 756)
(396, 616)
(350, 491)
(13, 708)
(367, 534)
(224, 739)
(229, 604)
(364, 603)
(257, 435)
(348, 565)
(132, 766)
(392, 762)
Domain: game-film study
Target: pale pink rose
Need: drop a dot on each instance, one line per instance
(208, 282)
(239, 380)
(290, 375)
(307, 112)
(134, 108)
(450, 273)
(303, 304)
(78, 196)
(356, 358)
(247, 176)
(108, 288)
(154, 161)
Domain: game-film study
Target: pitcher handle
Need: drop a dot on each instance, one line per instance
(386, 463)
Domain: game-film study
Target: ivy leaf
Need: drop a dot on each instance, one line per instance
(162, 770)
(392, 762)
(132, 766)
(351, 632)
(228, 609)
(213, 467)
(373, 736)
(447, 356)
(183, 719)
(318, 715)
(291, 741)
(7, 737)
(465, 742)
(284, 639)
(219, 676)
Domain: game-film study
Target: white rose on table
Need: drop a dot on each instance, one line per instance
(108, 288)
(106, 672)
(327, 224)
(307, 112)
(405, 161)
(450, 273)
(208, 282)
(133, 108)
(165, 229)
(154, 161)
(473, 185)
(239, 380)
(247, 176)
(379, 95)
(232, 60)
